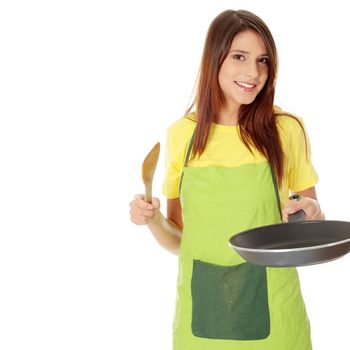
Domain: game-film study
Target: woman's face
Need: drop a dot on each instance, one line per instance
(244, 71)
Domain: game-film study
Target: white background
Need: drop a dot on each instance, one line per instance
(87, 88)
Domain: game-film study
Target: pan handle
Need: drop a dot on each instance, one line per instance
(300, 214)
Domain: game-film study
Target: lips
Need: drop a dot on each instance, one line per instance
(245, 85)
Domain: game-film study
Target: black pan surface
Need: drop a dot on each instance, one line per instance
(294, 244)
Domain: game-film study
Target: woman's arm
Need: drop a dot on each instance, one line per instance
(308, 203)
(167, 231)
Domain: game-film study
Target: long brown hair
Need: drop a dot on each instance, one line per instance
(257, 121)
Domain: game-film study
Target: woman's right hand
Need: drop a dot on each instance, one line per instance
(143, 213)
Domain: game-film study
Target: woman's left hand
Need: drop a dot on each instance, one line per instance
(310, 206)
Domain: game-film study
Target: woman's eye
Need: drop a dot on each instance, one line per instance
(238, 57)
(264, 60)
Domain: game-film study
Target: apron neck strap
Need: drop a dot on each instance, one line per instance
(189, 150)
(275, 186)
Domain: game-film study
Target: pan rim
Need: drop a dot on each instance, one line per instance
(289, 250)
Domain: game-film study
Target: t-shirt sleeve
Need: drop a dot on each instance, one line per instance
(178, 136)
(301, 172)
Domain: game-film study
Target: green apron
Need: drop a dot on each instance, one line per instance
(223, 302)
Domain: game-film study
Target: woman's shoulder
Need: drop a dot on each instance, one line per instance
(288, 122)
(178, 139)
(182, 127)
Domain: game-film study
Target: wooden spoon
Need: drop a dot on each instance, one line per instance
(148, 168)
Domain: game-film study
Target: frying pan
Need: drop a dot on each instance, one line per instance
(294, 243)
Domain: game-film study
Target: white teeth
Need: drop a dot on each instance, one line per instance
(246, 85)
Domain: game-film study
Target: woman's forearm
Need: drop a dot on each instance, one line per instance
(167, 233)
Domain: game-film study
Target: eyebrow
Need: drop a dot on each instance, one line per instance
(240, 51)
(246, 52)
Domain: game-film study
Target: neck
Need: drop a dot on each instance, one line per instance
(228, 116)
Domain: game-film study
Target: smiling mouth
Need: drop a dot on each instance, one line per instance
(245, 86)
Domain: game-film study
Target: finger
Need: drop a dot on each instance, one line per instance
(311, 207)
(141, 217)
(284, 217)
(155, 202)
(140, 203)
(139, 196)
(143, 212)
(291, 207)
(317, 214)
(139, 200)
(139, 221)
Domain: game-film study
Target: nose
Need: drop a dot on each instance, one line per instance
(252, 70)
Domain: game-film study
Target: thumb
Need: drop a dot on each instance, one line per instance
(155, 202)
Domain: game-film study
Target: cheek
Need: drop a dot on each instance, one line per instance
(224, 79)
(221, 80)
(264, 74)
(263, 79)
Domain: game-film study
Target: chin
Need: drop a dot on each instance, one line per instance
(247, 101)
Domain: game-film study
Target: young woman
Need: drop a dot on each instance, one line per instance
(230, 166)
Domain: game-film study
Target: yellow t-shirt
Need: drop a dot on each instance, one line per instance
(226, 149)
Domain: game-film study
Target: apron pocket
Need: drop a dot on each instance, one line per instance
(229, 302)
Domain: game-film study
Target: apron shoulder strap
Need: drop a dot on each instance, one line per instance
(189, 149)
(188, 153)
(275, 186)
